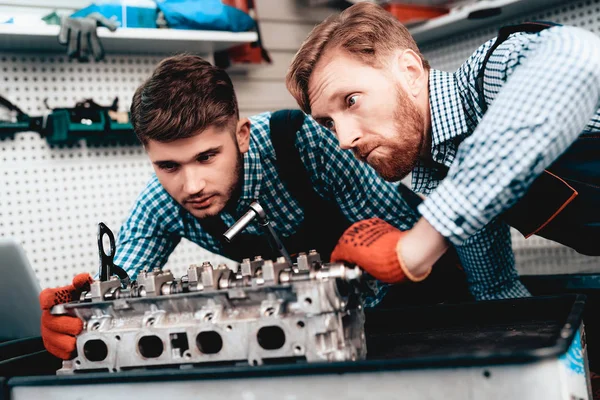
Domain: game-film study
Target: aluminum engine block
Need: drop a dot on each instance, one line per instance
(263, 312)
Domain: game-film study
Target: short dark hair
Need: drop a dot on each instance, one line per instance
(184, 95)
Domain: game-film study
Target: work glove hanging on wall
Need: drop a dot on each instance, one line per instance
(81, 38)
(59, 331)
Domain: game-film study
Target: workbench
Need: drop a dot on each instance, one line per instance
(532, 348)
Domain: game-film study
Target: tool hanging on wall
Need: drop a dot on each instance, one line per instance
(88, 120)
(13, 120)
(248, 53)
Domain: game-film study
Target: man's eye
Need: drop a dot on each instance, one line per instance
(205, 157)
(352, 100)
(168, 167)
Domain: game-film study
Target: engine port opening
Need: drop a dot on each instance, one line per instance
(209, 342)
(150, 346)
(95, 350)
(179, 343)
(271, 337)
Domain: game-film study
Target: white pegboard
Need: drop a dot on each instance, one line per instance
(534, 255)
(53, 197)
(29, 79)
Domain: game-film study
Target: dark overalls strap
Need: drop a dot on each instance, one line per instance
(284, 125)
(503, 34)
(245, 245)
(323, 222)
(563, 203)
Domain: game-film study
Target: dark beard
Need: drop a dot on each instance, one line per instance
(235, 191)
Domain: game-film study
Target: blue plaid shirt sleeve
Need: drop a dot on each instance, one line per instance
(145, 239)
(489, 264)
(541, 98)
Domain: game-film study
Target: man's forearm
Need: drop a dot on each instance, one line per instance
(538, 113)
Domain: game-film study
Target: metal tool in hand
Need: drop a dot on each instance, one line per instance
(107, 265)
(256, 211)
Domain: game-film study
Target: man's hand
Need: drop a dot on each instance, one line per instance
(79, 34)
(389, 254)
(59, 331)
(371, 244)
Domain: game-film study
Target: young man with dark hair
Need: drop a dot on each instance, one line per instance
(511, 136)
(210, 165)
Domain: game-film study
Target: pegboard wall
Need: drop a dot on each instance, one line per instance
(52, 197)
(534, 255)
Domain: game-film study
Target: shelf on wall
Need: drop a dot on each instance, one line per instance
(476, 15)
(125, 41)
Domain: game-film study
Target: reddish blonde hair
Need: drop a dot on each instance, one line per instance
(365, 30)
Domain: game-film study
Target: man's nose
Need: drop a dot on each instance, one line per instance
(193, 182)
(348, 135)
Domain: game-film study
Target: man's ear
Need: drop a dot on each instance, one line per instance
(414, 76)
(242, 134)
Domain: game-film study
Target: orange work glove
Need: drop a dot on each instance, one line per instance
(59, 331)
(371, 244)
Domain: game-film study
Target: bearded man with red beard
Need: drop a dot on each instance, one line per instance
(510, 138)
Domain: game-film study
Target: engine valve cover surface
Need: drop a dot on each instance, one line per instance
(265, 311)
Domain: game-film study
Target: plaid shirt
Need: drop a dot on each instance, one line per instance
(157, 222)
(482, 166)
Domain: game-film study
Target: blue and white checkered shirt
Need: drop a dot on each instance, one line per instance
(157, 222)
(543, 91)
